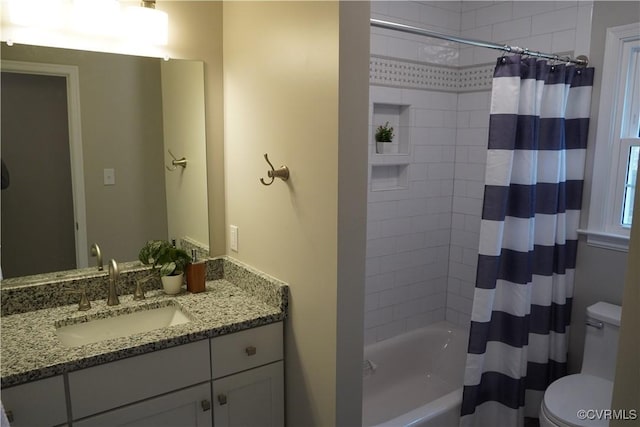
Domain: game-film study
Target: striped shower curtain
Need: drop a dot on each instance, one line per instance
(528, 240)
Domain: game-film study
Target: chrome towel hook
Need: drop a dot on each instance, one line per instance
(282, 172)
(176, 162)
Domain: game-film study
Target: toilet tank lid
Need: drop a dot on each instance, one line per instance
(605, 312)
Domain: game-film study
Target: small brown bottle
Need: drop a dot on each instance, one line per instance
(195, 274)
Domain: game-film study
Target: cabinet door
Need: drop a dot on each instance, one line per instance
(39, 403)
(187, 408)
(251, 398)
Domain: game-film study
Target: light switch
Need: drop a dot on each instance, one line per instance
(110, 176)
(233, 237)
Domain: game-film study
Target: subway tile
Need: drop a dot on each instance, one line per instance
(451, 316)
(378, 317)
(428, 118)
(465, 57)
(558, 20)
(384, 95)
(480, 32)
(389, 330)
(472, 223)
(446, 187)
(427, 154)
(370, 336)
(450, 119)
(459, 303)
(457, 221)
(455, 254)
(446, 19)
(382, 210)
(381, 247)
(412, 207)
(408, 276)
(563, 41)
(407, 309)
(493, 14)
(467, 20)
(379, 282)
(478, 154)
(372, 267)
(541, 42)
(440, 171)
(583, 28)
(474, 101)
(530, 8)
(371, 302)
(418, 321)
(393, 296)
(473, 5)
(470, 258)
(479, 118)
(467, 289)
(506, 31)
(454, 6)
(410, 242)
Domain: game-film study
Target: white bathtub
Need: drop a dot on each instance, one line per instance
(416, 378)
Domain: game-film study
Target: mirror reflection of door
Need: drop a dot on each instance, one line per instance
(37, 208)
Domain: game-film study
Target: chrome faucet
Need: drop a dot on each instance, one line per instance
(95, 251)
(112, 299)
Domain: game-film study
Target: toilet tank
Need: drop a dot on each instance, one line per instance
(601, 340)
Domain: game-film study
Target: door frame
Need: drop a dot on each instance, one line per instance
(71, 74)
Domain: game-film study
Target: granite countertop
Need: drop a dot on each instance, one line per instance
(30, 349)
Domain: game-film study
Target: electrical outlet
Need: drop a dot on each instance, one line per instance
(233, 237)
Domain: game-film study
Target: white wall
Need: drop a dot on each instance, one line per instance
(559, 27)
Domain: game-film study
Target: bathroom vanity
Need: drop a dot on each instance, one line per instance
(223, 366)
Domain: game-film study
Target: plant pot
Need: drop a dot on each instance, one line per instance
(380, 146)
(172, 284)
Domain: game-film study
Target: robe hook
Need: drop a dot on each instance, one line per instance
(176, 162)
(282, 172)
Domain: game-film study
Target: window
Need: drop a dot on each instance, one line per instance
(617, 141)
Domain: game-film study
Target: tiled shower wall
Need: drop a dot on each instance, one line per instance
(422, 240)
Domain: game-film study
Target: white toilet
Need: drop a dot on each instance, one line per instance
(593, 386)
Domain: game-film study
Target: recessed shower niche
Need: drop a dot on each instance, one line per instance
(398, 117)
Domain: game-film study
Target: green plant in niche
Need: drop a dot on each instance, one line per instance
(162, 255)
(384, 133)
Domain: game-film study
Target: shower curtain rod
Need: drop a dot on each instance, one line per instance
(580, 60)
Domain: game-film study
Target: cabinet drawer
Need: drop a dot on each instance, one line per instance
(115, 384)
(246, 349)
(39, 403)
(187, 407)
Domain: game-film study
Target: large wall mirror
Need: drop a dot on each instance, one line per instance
(85, 140)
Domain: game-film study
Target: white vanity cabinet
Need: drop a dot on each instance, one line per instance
(37, 403)
(248, 378)
(174, 386)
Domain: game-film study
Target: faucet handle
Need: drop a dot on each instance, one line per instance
(84, 304)
(138, 294)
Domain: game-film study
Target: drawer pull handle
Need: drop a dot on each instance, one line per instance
(251, 350)
(222, 399)
(206, 405)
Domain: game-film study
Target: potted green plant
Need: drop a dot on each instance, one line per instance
(169, 260)
(384, 134)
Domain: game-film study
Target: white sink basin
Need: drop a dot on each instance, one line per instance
(120, 325)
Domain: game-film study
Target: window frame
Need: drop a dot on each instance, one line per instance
(622, 51)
